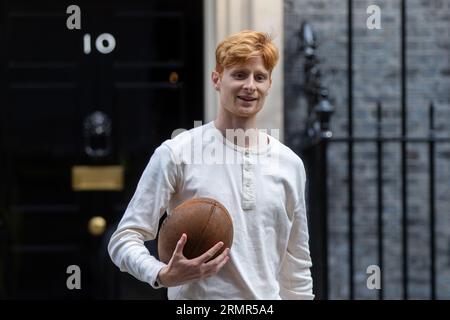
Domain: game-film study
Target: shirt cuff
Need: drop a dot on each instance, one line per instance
(152, 273)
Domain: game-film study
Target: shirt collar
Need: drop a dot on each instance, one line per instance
(261, 148)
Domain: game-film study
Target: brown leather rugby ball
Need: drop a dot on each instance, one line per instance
(204, 220)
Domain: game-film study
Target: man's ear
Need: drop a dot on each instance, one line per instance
(215, 77)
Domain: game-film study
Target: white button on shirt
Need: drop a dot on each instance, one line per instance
(248, 196)
(262, 188)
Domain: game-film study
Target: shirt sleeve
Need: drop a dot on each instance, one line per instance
(141, 218)
(295, 278)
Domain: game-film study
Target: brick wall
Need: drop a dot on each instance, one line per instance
(377, 76)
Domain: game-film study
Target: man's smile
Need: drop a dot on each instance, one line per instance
(247, 98)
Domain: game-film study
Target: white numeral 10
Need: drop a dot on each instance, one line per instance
(105, 43)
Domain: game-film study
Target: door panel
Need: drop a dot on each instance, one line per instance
(148, 86)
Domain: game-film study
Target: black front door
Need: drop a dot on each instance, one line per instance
(81, 113)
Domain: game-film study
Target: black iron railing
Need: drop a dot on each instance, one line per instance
(315, 141)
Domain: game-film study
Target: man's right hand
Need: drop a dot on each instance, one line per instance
(181, 270)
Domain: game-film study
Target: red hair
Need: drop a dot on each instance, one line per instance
(243, 46)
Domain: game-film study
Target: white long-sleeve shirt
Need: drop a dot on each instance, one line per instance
(263, 189)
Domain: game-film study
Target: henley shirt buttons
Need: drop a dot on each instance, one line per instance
(248, 196)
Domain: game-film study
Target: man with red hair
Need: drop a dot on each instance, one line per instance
(263, 188)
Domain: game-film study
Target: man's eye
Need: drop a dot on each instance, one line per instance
(260, 78)
(239, 75)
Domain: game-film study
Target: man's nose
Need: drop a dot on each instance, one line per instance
(250, 84)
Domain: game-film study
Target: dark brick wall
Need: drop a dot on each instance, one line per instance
(377, 76)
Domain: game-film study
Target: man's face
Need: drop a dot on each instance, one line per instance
(243, 88)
